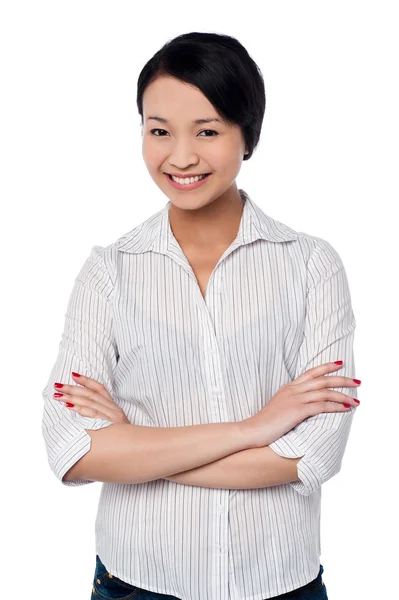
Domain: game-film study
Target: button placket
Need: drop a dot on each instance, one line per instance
(211, 363)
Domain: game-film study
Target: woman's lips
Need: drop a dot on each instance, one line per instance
(187, 186)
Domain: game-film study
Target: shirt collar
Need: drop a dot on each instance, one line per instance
(155, 233)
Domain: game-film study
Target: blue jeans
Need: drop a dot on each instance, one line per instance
(106, 587)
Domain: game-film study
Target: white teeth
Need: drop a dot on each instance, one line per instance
(187, 180)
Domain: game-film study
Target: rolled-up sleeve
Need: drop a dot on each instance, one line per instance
(88, 347)
(328, 336)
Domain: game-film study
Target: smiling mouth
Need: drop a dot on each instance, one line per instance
(184, 177)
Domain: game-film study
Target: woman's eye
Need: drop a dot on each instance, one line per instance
(210, 130)
(152, 131)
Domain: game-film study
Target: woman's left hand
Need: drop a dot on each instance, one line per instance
(89, 399)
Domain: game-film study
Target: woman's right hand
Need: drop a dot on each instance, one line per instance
(305, 396)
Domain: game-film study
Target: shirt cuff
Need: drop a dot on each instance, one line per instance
(288, 446)
(75, 449)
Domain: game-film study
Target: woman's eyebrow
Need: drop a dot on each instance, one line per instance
(196, 121)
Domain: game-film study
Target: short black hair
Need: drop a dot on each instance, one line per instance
(222, 69)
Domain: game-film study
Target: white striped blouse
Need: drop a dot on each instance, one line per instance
(277, 304)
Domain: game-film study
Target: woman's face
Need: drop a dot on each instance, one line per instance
(174, 143)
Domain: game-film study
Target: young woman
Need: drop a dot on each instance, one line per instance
(205, 373)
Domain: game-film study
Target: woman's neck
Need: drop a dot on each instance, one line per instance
(215, 224)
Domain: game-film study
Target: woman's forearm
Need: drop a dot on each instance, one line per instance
(126, 453)
(246, 469)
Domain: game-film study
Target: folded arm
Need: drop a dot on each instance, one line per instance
(329, 331)
(247, 469)
(86, 347)
(311, 453)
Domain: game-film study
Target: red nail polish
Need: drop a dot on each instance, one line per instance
(356, 400)
(58, 385)
(68, 404)
(347, 405)
(357, 381)
(75, 374)
(338, 362)
(57, 395)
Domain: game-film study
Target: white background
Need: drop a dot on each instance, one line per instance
(72, 176)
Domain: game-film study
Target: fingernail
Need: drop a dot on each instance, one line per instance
(338, 362)
(357, 381)
(68, 404)
(57, 395)
(58, 385)
(356, 400)
(347, 405)
(75, 374)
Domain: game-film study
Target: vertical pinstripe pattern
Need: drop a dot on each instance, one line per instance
(277, 303)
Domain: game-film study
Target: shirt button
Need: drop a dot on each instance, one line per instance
(221, 508)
